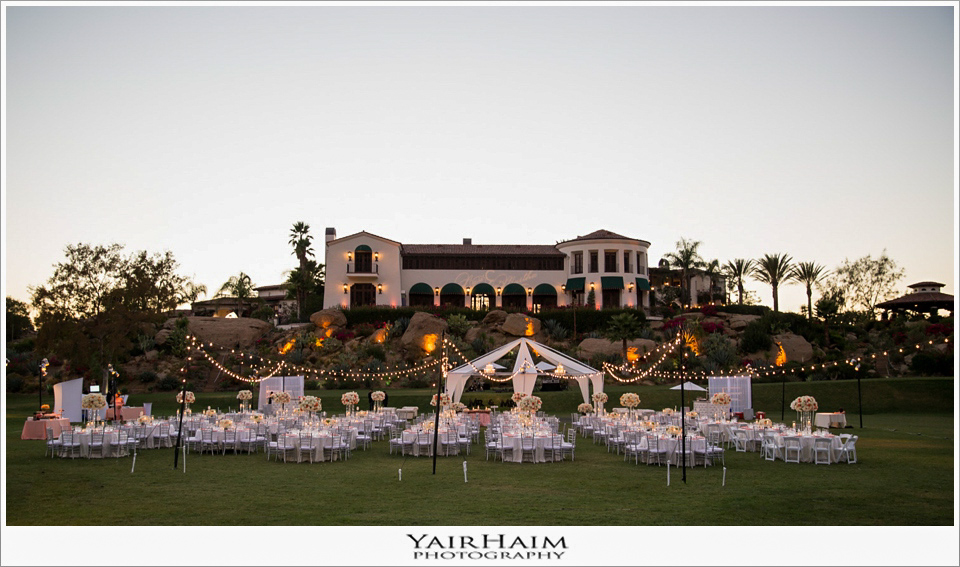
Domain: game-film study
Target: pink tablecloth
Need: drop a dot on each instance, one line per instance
(481, 416)
(38, 429)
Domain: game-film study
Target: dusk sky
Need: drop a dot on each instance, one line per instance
(821, 132)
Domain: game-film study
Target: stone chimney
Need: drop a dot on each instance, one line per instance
(331, 234)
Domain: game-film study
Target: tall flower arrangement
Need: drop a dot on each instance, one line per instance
(244, 396)
(309, 404)
(599, 398)
(190, 399)
(378, 398)
(350, 400)
(585, 408)
(720, 398)
(93, 402)
(444, 400)
(805, 406)
(530, 404)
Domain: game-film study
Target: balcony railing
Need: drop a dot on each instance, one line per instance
(363, 268)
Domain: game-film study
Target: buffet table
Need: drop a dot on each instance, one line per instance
(37, 428)
(826, 420)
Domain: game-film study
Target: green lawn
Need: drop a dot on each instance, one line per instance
(904, 477)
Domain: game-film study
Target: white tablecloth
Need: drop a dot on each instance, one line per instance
(516, 440)
(807, 443)
(826, 420)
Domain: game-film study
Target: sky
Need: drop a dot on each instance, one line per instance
(823, 132)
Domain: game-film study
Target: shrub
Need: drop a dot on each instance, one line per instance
(167, 384)
(264, 313)
(399, 327)
(14, 383)
(755, 338)
(711, 328)
(343, 335)
(147, 376)
(374, 351)
(364, 330)
(735, 309)
(932, 363)
(709, 310)
(459, 324)
(481, 344)
(555, 330)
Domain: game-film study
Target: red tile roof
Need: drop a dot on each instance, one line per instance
(482, 249)
(601, 235)
(921, 300)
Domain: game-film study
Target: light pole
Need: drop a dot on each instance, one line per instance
(43, 374)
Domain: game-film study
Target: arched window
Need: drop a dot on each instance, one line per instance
(482, 296)
(544, 297)
(363, 260)
(514, 297)
(362, 294)
(420, 295)
(451, 294)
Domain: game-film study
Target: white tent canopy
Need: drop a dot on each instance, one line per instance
(67, 397)
(737, 386)
(689, 387)
(524, 371)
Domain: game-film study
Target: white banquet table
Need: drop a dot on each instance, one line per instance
(807, 444)
(515, 440)
(827, 420)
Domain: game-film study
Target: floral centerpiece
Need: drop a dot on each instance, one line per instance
(256, 418)
(667, 411)
(244, 396)
(765, 422)
(599, 398)
(93, 402)
(673, 430)
(720, 398)
(805, 406)
(282, 397)
(444, 400)
(44, 407)
(517, 396)
(190, 399)
(691, 414)
(630, 400)
(225, 423)
(210, 412)
(350, 400)
(309, 404)
(531, 404)
(458, 406)
(328, 422)
(378, 398)
(144, 419)
(585, 408)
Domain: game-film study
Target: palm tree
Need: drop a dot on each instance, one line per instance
(773, 269)
(300, 240)
(241, 287)
(738, 270)
(713, 271)
(809, 273)
(623, 327)
(191, 292)
(686, 258)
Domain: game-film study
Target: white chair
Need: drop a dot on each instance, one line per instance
(307, 449)
(569, 446)
(821, 450)
(122, 448)
(490, 444)
(287, 446)
(849, 450)
(504, 449)
(365, 437)
(770, 448)
(424, 444)
(528, 448)
(791, 449)
(53, 444)
(229, 441)
(69, 444)
(207, 442)
(632, 446)
(655, 450)
(740, 440)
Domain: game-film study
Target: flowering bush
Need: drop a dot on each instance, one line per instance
(517, 396)
(630, 400)
(190, 397)
(244, 395)
(720, 398)
(444, 400)
(599, 398)
(93, 401)
(804, 403)
(378, 396)
(710, 327)
(309, 403)
(530, 403)
(585, 408)
(281, 397)
(350, 399)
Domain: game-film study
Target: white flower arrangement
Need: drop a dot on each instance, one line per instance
(209, 412)
(673, 430)
(93, 401)
(378, 396)
(720, 398)
(190, 397)
(599, 398)
(691, 414)
(585, 408)
(309, 403)
(530, 404)
(629, 400)
(144, 419)
(281, 397)
(667, 411)
(458, 406)
(517, 396)
(804, 403)
(256, 418)
(766, 422)
(225, 423)
(244, 395)
(350, 399)
(444, 400)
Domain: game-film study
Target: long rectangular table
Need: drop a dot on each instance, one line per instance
(826, 420)
(37, 429)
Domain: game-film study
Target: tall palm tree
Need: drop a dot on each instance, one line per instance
(773, 269)
(686, 258)
(191, 292)
(809, 274)
(623, 327)
(241, 287)
(713, 271)
(738, 270)
(300, 239)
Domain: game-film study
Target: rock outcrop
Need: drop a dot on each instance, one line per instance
(328, 321)
(520, 325)
(222, 332)
(423, 332)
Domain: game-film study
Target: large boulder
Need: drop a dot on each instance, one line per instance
(241, 332)
(520, 325)
(794, 346)
(328, 321)
(423, 332)
(495, 318)
(739, 322)
(592, 347)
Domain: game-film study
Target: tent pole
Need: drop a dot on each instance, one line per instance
(443, 375)
(683, 408)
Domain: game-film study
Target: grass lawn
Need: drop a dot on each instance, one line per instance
(904, 478)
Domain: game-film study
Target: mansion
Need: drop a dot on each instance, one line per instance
(366, 269)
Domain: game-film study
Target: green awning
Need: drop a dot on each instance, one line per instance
(451, 289)
(643, 284)
(363, 248)
(421, 288)
(481, 288)
(514, 289)
(545, 289)
(611, 282)
(575, 284)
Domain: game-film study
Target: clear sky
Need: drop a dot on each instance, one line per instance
(821, 132)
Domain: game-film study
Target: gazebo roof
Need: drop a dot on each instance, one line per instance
(920, 301)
